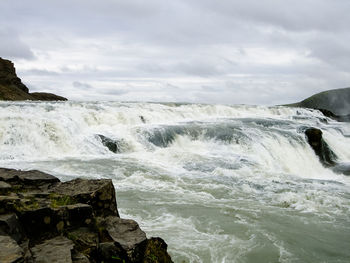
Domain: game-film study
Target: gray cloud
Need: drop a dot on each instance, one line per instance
(11, 46)
(82, 85)
(228, 51)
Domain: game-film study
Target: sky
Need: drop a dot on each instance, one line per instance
(225, 51)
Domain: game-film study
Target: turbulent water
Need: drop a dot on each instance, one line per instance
(218, 183)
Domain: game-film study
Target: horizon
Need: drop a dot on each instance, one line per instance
(265, 53)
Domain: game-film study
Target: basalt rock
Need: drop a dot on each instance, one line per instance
(45, 220)
(12, 88)
(112, 145)
(320, 147)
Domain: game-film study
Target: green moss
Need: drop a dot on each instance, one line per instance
(59, 200)
(30, 204)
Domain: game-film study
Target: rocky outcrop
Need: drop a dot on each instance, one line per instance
(45, 220)
(332, 103)
(12, 88)
(320, 147)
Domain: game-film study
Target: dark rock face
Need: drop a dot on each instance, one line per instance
(8, 76)
(320, 147)
(45, 220)
(112, 145)
(12, 88)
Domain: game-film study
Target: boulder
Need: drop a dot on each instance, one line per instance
(86, 241)
(10, 251)
(342, 168)
(155, 251)
(99, 194)
(45, 220)
(28, 179)
(112, 145)
(320, 147)
(58, 250)
(10, 225)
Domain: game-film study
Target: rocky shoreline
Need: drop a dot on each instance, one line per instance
(45, 220)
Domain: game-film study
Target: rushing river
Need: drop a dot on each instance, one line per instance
(218, 183)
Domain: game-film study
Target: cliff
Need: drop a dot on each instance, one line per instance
(45, 220)
(12, 88)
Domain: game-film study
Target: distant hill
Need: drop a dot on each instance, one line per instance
(12, 88)
(337, 101)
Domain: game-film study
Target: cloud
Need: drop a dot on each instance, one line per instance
(82, 85)
(226, 51)
(11, 46)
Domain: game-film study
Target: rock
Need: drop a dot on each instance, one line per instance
(99, 194)
(320, 147)
(10, 225)
(4, 188)
(12, 88)
(112, 145)
(111, 252)
(78, 257)
(9, 77)
(125, 232)
(332, 103)
(58, 250)
(10, 251)
(45, 220)
(342, 168)
(155, 251)
(85, 241)
(27, 179)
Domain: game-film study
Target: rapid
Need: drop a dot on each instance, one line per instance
(218, 183)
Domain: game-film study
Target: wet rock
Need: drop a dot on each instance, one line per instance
(10, 252)
(342, 168)
(112, 145)
(320, 147)
(58, 250)
(99, 194)
(10, 225)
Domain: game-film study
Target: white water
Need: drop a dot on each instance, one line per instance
(218, 183)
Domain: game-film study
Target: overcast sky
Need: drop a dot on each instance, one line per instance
(223, 51)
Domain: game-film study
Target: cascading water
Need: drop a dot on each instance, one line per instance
(218, 183)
